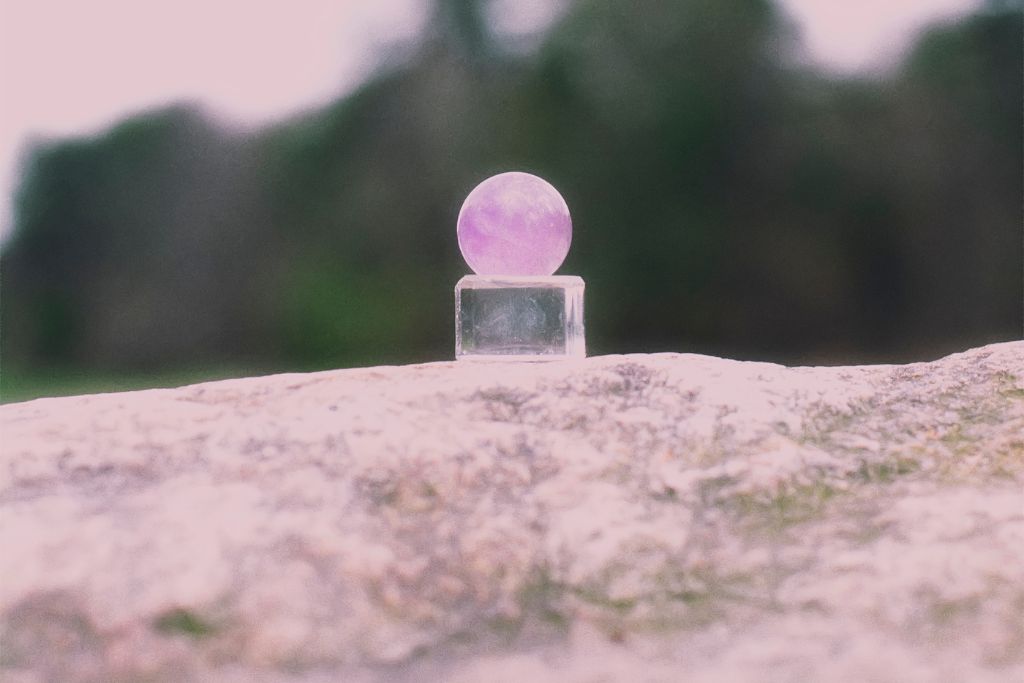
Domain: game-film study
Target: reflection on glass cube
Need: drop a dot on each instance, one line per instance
(519, 318)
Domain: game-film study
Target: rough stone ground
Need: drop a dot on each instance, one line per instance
(647, 517)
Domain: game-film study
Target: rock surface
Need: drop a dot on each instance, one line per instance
(621, 518)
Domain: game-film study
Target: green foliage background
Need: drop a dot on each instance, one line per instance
(725, 200)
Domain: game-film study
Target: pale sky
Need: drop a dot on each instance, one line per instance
(71, 67)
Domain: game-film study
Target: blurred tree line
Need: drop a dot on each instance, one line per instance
(725, 200)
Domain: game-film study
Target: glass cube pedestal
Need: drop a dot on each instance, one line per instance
(519, 318)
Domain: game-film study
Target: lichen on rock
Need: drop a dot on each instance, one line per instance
(606, 519)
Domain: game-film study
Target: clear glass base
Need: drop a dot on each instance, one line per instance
(519, 318)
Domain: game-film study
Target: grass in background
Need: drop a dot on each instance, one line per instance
(17, 385)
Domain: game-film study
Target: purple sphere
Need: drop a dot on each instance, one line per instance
(514, 224)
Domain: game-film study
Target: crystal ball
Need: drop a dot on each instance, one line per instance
(514, 224)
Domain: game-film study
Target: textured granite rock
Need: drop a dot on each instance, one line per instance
(622, 518)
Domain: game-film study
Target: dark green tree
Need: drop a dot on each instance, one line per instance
(725, 200)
